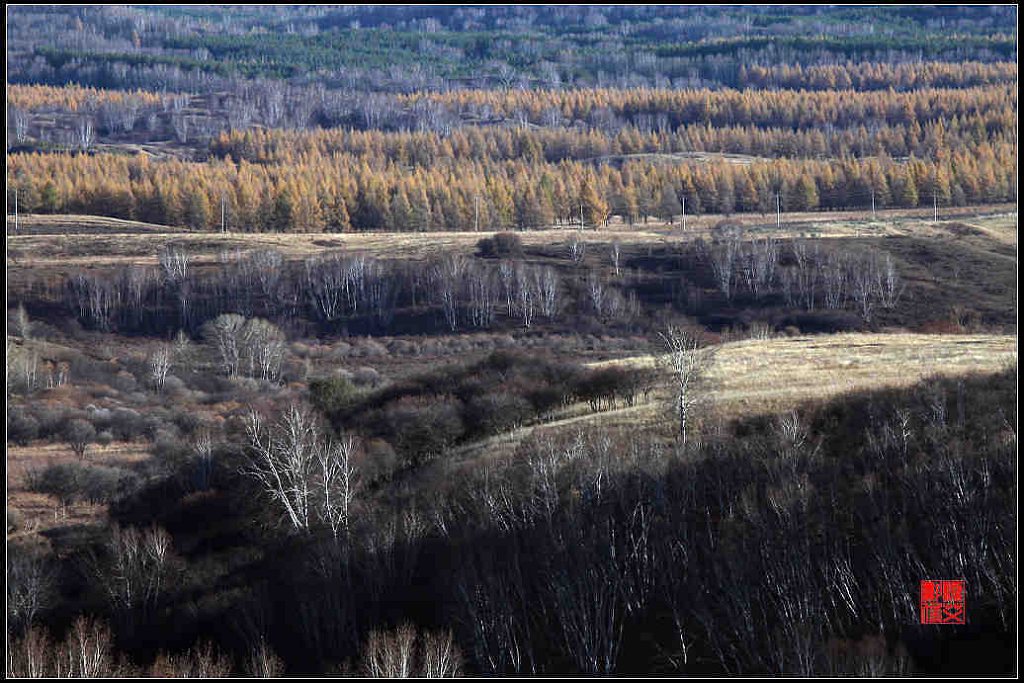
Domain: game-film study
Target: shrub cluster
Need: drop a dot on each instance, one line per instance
(423, 416)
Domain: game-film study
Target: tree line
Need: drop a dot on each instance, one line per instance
(75, 98)
(725, 107)
(341, 192)
(334, 290)
(790, 122)
(523, 47)
(607, 137)
(878, 75)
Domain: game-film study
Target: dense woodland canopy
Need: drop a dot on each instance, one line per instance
(378, 48)
(274, 123)
(313, 192)
(627, 153)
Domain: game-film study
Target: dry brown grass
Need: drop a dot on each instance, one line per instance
(764, 376)
(772, 375)
(44, 224)
(101, 249)
(89, 241)
(38, 512)
(757, 377)
(1001, 227)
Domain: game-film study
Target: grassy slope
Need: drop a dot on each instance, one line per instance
(755, 377)
(44, 240)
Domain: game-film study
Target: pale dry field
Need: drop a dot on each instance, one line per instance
(759, 377)
(59, 224)
(65, 242)
(764, 376)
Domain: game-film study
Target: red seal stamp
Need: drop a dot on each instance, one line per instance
(942, 602)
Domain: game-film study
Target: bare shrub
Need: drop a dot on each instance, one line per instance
(201, 661)
(79, 434)
(263, 663)
(30, 585)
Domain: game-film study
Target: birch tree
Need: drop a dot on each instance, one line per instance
(225, 333)
(889, 285)
(687, 362)
(311, 479)
(263, 346)
(160, 365)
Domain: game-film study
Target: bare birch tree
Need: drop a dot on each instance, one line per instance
(202, 452)
(449, 273)
(282, 461)
(135, 574)
(326, 281)
(577, 248)
(687, 360)
(596, 292)
(159, 365)
(391, 655)
(263, 347)
(507, 275)
(808, 261)
(263, 663)
(30, 584)
(888, 283)
(311, 479)
(548, 287)
(526, 295)
(406, 653)
(225, 333)
(834, 279)
(175, 263)
(381, 290)
(180, 124)
(85, 128)
(482, 295)
(725, 256)
(758, 265)
(337, 482)
(87, 652)
(863, 287)
(19, 124)
(616, 255)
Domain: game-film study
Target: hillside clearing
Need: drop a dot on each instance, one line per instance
(767, 375)
(756, 376)
(55, 241)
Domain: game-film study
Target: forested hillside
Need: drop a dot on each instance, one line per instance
(805, 111)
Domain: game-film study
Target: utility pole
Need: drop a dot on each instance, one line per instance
(582, 224)
(684, 213)
(935, 207)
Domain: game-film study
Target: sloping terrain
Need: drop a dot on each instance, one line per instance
(756, 377)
